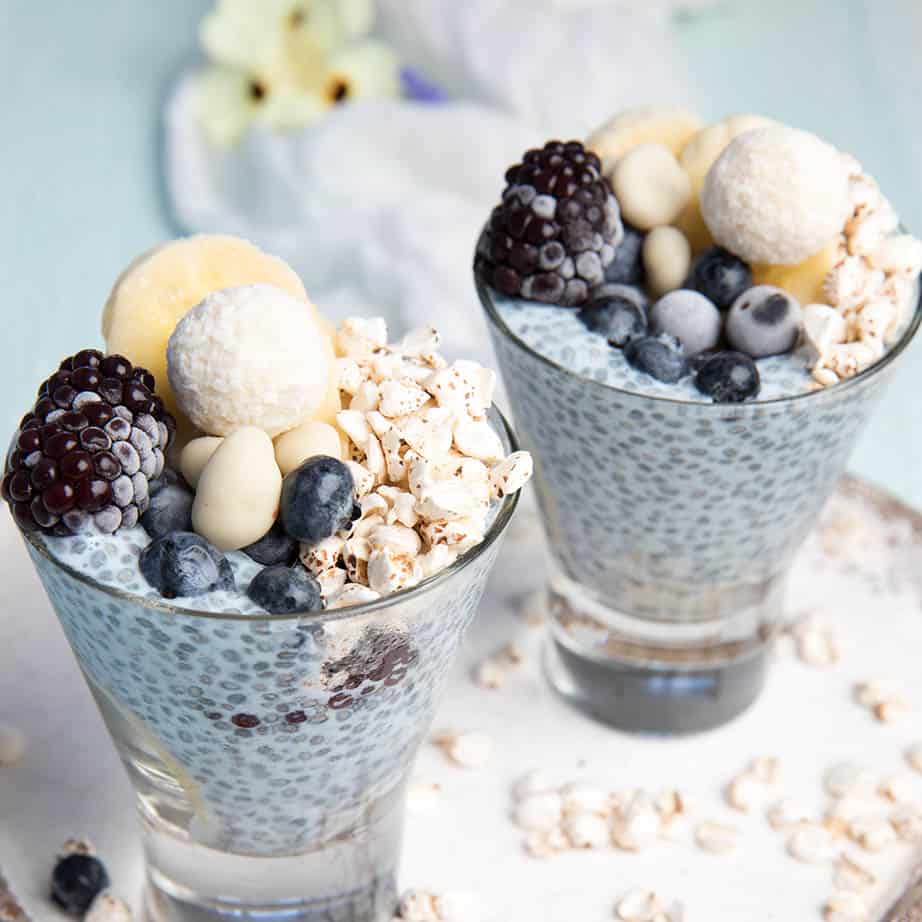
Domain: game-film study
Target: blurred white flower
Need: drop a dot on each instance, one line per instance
(286, 62)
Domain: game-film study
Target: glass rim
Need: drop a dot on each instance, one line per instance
(497, 527)
(485, 294)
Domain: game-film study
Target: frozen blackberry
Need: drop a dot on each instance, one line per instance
(86, 453)
(555, 231)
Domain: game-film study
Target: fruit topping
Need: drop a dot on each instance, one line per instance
(764, 321)
(728, 377)
(237, 498)
(671, 127)
(170, 510)
(776, 195)
(274, 547)
(803, 280)
(282, 590)
(185, 564)
(556, 229)
(218, 367)
(720, 276)
(161, 286)
(86, 454)
(76, 881)
(659, 356)
(688, 316)
(627, 267)
(317, 499)
(619, 315)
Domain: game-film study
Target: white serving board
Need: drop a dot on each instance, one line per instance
(860, 569)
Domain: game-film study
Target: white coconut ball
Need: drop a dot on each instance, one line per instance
(776, 195)
(249, 356)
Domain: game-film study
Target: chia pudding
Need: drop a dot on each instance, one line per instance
(693, 323)
(264, 565)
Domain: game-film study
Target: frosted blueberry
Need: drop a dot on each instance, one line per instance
(281, 590)
(728, 377)
(627, 266)
(659, 356)
(688, 316)
(618, 317)
(274, 547)
(185, 564)
(720, 276)
(763, 321)
(170, 510)
(76, 881)
(317, 499)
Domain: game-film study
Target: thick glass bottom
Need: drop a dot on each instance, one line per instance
(348, 879)
(655, 699)
(677, 676)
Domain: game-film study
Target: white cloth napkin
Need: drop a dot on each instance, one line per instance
(378, 206)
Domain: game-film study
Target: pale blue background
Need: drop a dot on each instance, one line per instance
(80, 84)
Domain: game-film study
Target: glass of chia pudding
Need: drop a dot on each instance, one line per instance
(266, 614)
(693, 324)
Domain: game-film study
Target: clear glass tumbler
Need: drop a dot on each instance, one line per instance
(270, 754)
(671, 527)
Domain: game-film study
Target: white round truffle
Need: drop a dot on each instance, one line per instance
(249, 356)
(776, 195)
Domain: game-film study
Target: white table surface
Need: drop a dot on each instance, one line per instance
(71, 783)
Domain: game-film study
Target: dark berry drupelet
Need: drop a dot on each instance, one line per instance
(86, 453)
(555, 231)
(76, 881)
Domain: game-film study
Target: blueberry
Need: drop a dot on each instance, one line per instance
(659, 356)
(185, 564)
(688, 316)
(764, 321)
(618, 315)
(168, 478)
(627, 266)
(317, 499)
(76, 881)
(720, 276)
(274, 547)
(170, 510)
(728, 377)
(281, 590)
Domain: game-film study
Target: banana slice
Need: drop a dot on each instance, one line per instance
(805, 280)
(697, 157)
(671, 127)
(161, 286)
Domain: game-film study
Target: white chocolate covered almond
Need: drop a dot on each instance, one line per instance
(238, 491)
(308, 440)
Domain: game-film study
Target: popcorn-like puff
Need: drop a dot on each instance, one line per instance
(425, 462)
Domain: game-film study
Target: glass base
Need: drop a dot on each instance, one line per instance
(164, 903)
(655, 698)
(349, 879)
(687, 673)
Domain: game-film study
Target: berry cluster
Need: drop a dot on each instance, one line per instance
(685, 330)
(555, 231)
(90, 447)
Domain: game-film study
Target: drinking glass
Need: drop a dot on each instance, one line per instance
(671, 527)
(270, 754)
